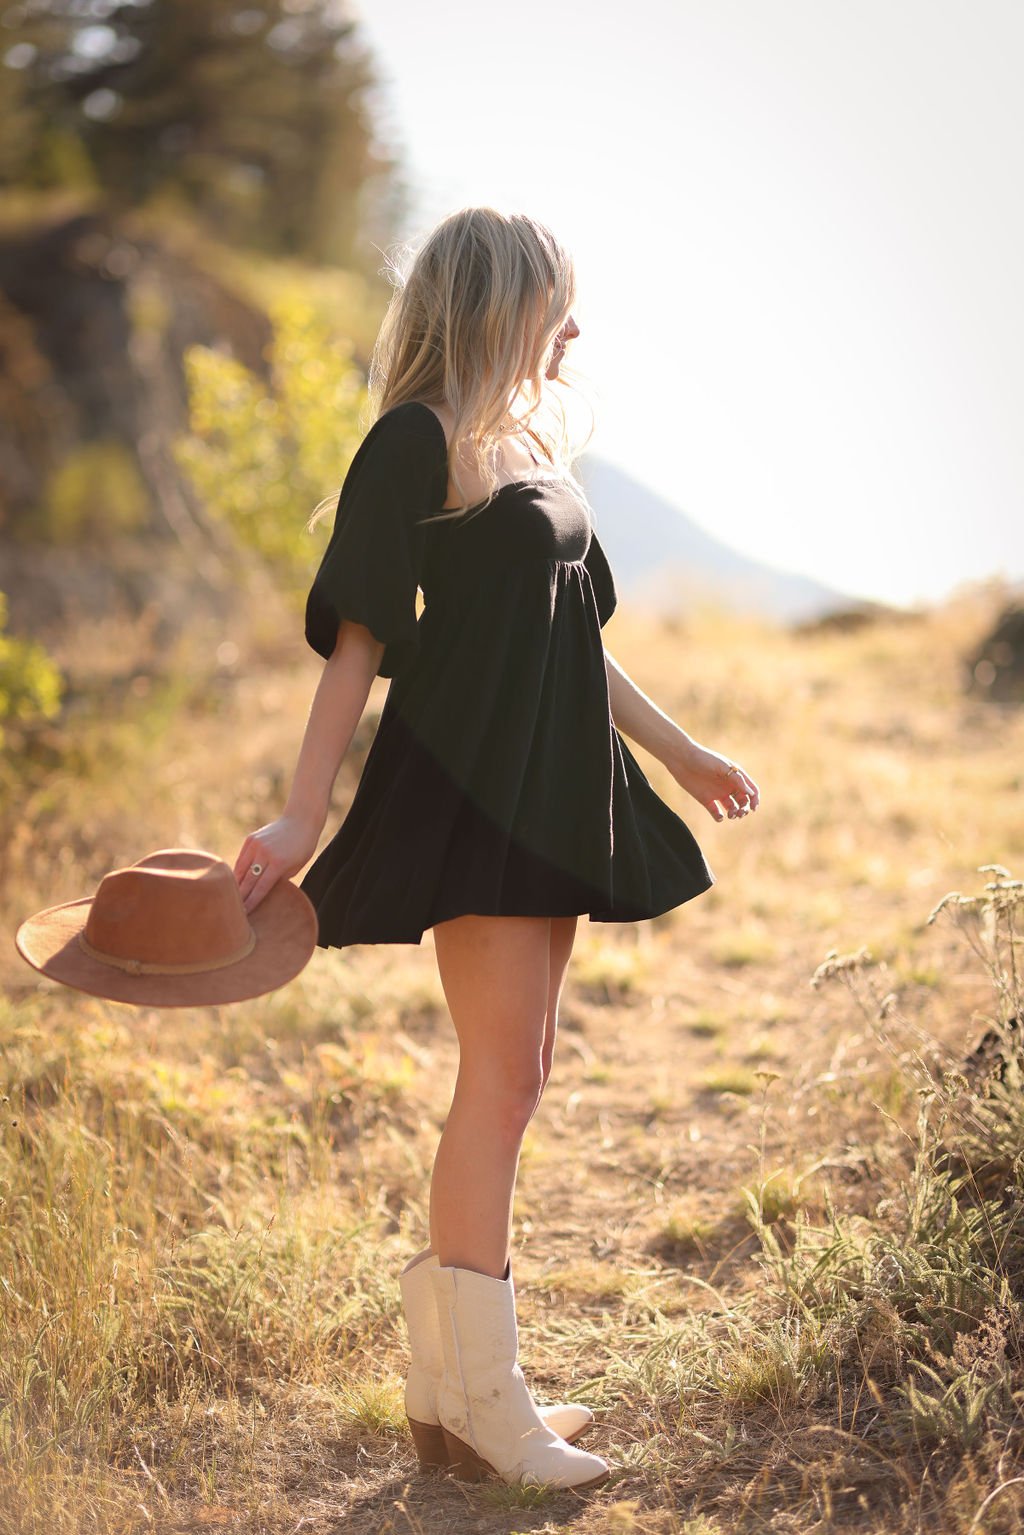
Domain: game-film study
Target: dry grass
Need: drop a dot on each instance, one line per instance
(769, 1231)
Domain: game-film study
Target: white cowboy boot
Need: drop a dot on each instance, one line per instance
(423, 1381)
(489, 1419)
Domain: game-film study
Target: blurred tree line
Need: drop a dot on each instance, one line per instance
(194, 197)
(260, 118)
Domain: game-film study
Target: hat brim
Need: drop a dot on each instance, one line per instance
(285, 924)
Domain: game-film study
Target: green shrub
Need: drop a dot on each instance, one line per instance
(96, 491)
(31, 686)
(263, 458)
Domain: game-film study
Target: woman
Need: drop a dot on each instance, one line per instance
(498, 801)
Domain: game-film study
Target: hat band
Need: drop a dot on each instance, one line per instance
(143, 967)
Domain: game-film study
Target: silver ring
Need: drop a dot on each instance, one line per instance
(256, 868)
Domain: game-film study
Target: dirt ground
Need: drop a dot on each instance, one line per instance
(694, 1061)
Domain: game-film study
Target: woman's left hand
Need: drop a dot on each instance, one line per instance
(719, 784)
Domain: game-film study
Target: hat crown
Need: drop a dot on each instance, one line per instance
(172, 931)
(177, 908)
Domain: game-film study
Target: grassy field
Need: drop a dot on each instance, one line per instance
(769, 1215)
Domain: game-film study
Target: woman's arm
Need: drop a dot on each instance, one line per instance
(284, 846)
(718, 783)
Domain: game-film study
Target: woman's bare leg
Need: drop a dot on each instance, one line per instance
(501, 977)
(563, 936)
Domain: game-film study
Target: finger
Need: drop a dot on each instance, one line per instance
(259, 889)
(253, 856)
(714, 810)
(244, 859)
(744, 798)
(250, 879)
(750, 788)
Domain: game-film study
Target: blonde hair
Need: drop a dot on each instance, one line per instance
(471, 325)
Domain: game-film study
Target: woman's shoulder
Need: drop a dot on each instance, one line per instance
(404, 451)
(411, 418)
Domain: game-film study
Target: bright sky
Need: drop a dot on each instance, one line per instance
(798, 229)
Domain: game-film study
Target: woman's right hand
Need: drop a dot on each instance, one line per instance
(281, 849)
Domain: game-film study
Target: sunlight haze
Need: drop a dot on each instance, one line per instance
(798, 235)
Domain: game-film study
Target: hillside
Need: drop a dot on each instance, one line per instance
(664, 560)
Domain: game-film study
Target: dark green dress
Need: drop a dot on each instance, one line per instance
(497, 782)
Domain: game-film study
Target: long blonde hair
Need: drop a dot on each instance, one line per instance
(471, 325)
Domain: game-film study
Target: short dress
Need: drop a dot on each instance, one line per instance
(497, 782)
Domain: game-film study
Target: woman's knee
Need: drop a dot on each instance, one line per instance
(505, 1094)
(495, 972)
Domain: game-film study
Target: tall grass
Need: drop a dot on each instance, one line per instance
(792, 1295)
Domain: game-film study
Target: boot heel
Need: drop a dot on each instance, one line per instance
(431, 1448)
(484, 1391)
(466, 1464)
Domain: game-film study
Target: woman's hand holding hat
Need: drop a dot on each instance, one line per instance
(277, 851)
(170, 931)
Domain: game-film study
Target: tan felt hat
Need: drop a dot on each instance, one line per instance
(171, 931)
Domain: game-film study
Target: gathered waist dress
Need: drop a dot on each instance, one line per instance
(497, 782)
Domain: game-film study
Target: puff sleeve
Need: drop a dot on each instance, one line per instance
(370, 570)
(601, 579)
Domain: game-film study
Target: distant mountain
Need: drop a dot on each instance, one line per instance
(660, 557)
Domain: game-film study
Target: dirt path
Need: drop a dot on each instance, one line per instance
(693, 1060)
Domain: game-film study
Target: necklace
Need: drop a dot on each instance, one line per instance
(515, 430)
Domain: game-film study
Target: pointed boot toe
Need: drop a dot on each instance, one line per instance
(569, 1420)
(426, 1367)
(491, 1423)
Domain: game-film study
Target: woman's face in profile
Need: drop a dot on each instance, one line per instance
(569, 331)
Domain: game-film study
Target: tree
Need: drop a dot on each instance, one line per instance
(258, 116)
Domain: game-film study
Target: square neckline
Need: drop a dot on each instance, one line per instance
(547, 479)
